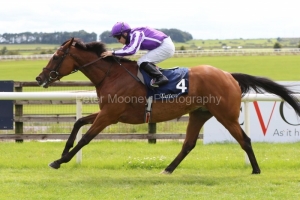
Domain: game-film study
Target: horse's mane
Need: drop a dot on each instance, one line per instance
(97, 47)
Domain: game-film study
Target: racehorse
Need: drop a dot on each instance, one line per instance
(116, 76)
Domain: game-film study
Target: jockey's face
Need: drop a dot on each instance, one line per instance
(122, 39)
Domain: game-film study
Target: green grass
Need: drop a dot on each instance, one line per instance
(280, 68)
(30, 49)
(245, 43)
(130, 170)
(28, 70)
(284, 68)
(26, 49)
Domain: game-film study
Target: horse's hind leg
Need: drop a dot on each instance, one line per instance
(196, 120)
(77, 125)
(248, 149)
(245, 142)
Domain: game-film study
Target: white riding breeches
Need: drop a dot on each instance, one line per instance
(164, 51)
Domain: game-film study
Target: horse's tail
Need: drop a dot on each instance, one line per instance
(261, 85)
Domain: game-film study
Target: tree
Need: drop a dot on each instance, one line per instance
(182, 48)
(277, 45)
(3, 51)
(46, 38)
(105, 37)
(298, 45)
(177, 35)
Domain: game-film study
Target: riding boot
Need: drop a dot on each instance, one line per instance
(158, 78)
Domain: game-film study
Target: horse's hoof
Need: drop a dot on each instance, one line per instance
(54, 165)
(255, 172)
(166, 172)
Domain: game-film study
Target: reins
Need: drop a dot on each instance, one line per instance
(94, 61)
(135, 77)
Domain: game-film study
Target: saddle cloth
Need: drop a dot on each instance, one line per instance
(178, 83)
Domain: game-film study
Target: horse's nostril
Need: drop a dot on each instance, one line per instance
(38, 79)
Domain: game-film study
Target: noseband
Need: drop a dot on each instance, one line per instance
(54, 74)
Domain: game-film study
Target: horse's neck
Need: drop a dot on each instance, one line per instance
(95, 74)
(108, 73)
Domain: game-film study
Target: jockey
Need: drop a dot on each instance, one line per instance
(159, 46)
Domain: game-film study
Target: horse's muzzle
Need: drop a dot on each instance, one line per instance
(41, 82)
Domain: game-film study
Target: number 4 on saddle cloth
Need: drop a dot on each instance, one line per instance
(178, 84)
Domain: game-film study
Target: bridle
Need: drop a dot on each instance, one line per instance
(54, 73)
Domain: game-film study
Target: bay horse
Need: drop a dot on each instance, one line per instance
(115, 76)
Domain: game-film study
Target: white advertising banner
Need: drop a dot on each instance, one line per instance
(269, 122)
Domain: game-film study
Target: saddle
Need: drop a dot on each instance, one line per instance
(178, 83)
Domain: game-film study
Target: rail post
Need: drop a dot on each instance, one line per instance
(79, 134)
(152, 130)
(19, 113)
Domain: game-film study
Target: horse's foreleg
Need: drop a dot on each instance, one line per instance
(196, 121)
(99, 124)
(68, 156)
(78, 124)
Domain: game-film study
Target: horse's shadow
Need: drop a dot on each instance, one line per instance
(157, 178)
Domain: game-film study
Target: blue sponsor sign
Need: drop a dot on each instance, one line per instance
(6, 107)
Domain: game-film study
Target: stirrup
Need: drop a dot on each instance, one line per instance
(153, 82)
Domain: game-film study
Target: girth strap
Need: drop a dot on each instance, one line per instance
(148, 109)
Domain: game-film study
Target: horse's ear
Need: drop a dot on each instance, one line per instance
(71, 42)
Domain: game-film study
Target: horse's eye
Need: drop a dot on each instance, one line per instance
(55, 57)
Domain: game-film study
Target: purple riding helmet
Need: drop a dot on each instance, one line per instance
(119, 28)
